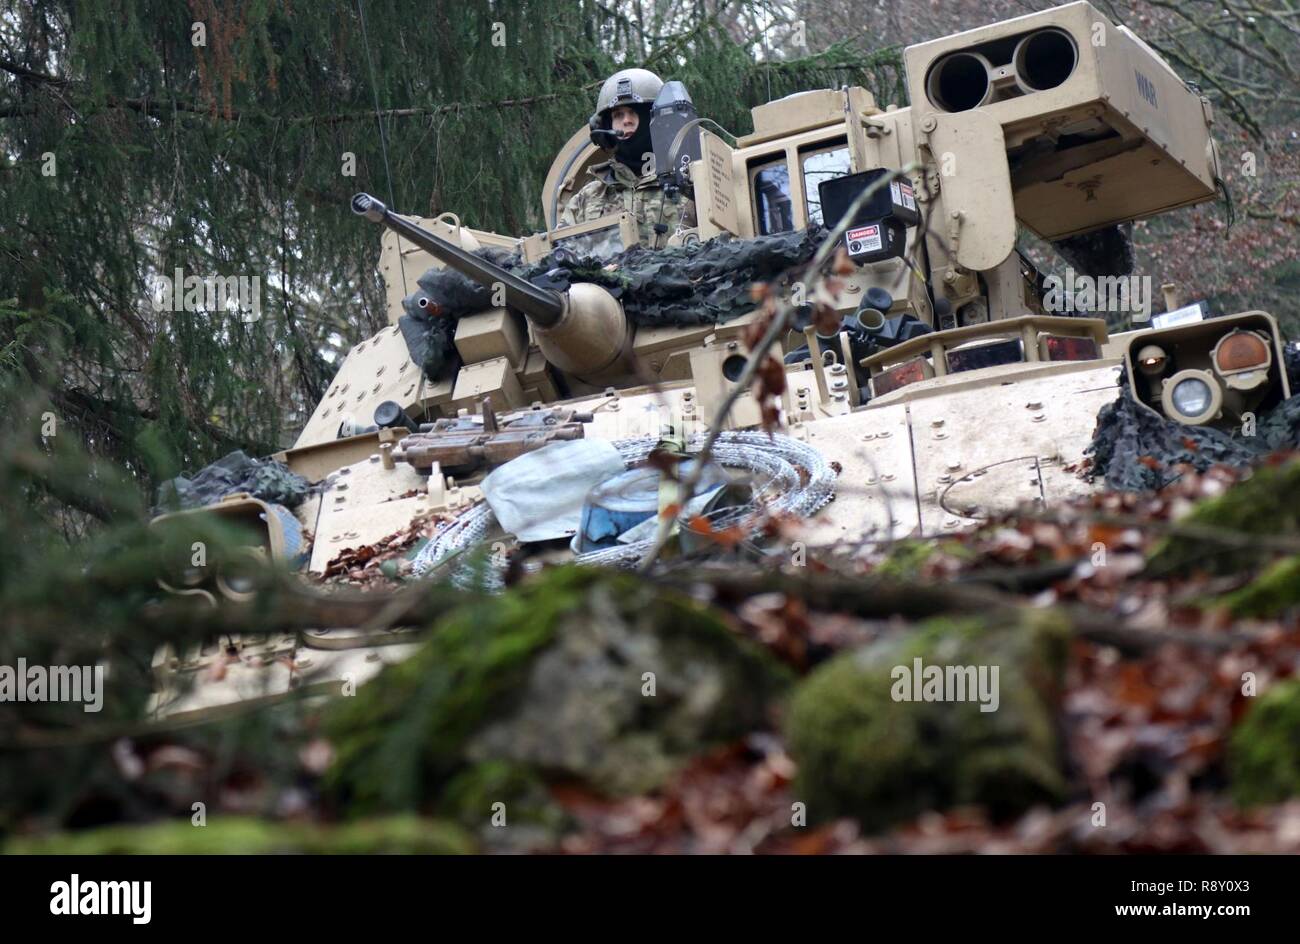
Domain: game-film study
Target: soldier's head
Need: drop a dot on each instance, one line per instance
(622, 119)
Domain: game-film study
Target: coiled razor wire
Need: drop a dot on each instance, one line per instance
(795, 480)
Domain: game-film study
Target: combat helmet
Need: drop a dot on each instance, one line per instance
(635, 87)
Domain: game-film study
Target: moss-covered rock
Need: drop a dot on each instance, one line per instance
(1267, 503)
(507, 805)
(550, 677)
(405, 731)
(248, 836)
(864, 751)
(1275, 589)
(1264, 749)
(906, 559)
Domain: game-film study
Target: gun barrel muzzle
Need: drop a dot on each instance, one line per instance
(363, 204)
(542, 306)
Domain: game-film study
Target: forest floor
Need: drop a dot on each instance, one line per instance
(1182, 622)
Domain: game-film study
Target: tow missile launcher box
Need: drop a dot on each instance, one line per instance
(1098, 128)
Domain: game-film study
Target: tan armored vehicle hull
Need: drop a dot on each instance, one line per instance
(1058, 121)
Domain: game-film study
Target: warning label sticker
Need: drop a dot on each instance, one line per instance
(909, 198)
(903, 195)
(863, 239)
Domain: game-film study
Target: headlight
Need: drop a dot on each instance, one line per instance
(1151, 360)
(1192, 397)
(1242, 359)
(1241, 350)
(240, 577)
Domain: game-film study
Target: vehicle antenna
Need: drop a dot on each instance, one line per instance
(383, 138)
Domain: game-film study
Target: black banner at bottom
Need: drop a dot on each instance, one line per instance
(338, 894)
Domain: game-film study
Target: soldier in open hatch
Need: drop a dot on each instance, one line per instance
(628, 181)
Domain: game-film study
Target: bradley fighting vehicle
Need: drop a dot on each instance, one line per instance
(957, 386)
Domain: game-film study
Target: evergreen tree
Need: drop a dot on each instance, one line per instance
(224, 139)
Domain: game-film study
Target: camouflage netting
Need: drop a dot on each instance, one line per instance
(708, 283)
(264, 479)
(1102, 252)
(1136, 450)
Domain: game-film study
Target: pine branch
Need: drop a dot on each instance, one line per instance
(161, 110)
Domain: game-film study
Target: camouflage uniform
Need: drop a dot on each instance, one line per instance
(617, 188)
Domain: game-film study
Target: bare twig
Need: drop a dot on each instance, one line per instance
(782, 320)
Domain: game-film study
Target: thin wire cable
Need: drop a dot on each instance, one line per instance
(794, 479)
(383, 137)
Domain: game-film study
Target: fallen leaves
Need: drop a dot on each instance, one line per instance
(733, 800)
(361, 566)
(1144, 732)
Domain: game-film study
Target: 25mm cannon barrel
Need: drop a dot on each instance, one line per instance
(542, 306)
(583, 332)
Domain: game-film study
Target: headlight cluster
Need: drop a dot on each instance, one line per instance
(1239, 361)
(1214, 371)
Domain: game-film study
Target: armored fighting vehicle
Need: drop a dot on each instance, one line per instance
(934, 377)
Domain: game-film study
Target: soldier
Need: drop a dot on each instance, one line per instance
(628, 181)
